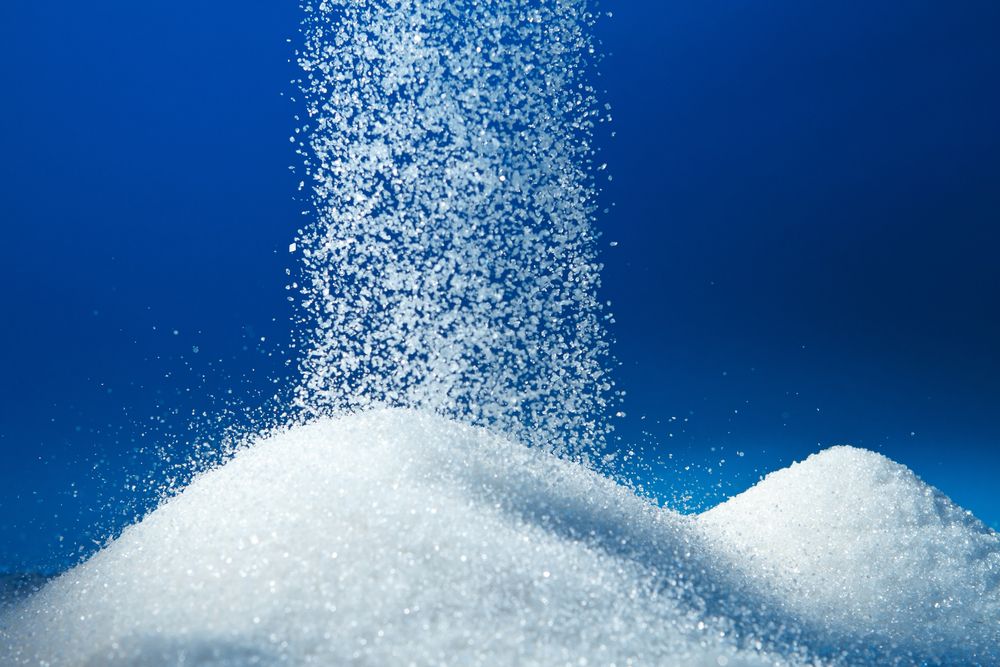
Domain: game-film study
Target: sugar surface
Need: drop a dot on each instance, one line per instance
(859, 545)
(397, 537)
(16, 587)
(386, 538)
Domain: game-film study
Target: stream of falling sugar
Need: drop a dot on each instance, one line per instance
(451, 264)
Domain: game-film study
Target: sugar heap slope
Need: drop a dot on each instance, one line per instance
(388, 538)
(860, 547)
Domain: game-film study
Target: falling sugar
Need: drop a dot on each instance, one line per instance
(451, 266)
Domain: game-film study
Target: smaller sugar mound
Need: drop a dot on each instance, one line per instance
(859, 546)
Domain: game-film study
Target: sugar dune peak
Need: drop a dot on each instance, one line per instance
(860, 544)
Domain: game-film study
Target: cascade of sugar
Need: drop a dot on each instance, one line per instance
(451, 265)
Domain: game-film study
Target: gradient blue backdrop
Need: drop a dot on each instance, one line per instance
(806, 201)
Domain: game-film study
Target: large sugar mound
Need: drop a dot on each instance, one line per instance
(389, 538)
(859, 546)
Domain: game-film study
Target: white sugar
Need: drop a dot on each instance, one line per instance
(450, 272)
(397, 537)
(452, 264)
(856, 544)
(385, 538)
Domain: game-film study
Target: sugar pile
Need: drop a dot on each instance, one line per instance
(385, 538)
(855, 543)
(397, 537)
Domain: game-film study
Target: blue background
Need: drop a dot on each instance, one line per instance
(805, 201)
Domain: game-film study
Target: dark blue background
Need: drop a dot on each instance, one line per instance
(805, 203)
